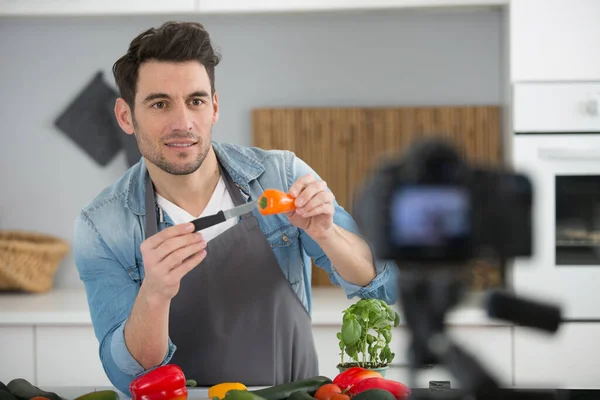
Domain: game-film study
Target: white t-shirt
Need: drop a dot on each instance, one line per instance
(220, 200)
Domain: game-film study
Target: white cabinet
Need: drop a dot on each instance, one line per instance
(94, 7)
(107, 7)
(491, 345)
(68, 356)
(553, 40)
(569, 359)
(16, 353)
(237, 6)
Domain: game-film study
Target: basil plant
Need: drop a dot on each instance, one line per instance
(366, 334)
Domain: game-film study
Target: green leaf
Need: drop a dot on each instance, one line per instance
(387, 335)
(390, 314)
(371, 339)
(347, 317)
(352, 351)
(382, 324)
(373, 317)
(351, 332)
(374, 308)
(364, 314)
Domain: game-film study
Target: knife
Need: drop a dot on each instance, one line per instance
(222, 216)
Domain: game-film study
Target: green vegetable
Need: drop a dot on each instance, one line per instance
(3, 387)
(285, 390)
(241, 395)
(100, 395)
(22, 389)
(367, 332)
(6, 395)
(191, 383)
(301, 395)
(374, 394)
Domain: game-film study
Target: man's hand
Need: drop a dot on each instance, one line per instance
(168, 256)
(314, 207)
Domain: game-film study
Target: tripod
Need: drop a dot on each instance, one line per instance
(427, 293)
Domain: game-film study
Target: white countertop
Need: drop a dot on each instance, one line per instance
(72, 392)
(69, 306)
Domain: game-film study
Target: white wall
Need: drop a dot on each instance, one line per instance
(354, 59)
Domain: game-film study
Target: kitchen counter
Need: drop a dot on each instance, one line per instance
(69, 307)
(72, 392)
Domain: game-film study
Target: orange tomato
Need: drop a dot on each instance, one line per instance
(340, 396)
(327, 391)
(274, 201)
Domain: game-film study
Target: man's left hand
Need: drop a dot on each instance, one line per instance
(314, 207)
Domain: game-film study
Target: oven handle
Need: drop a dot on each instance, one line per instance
(555, 153)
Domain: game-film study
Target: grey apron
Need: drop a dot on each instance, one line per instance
(236, 318)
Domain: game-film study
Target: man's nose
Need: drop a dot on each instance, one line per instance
(181, 119)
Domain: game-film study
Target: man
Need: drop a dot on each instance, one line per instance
(229, 303)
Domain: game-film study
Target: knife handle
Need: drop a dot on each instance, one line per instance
(207, 222)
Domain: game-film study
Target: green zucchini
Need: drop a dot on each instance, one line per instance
(22, 389)
(241, 395)
(285, 390)
(301, 395)
(100, 395)
(3, 387)
(6, 395)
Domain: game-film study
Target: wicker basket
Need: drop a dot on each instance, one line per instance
(28, 260)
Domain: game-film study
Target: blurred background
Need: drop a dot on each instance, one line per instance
(375, 58)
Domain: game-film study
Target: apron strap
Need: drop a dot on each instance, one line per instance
(151, 215)
(233, 189)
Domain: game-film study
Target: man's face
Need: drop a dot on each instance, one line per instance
(174, 114)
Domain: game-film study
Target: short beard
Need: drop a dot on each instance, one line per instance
(152, 153)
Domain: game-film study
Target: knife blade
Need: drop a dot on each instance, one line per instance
(222, 216)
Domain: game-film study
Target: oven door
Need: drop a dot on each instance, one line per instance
(565, 266)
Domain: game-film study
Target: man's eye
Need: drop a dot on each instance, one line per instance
(197, 102)
(160, 104)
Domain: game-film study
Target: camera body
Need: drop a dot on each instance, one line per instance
(432, 206)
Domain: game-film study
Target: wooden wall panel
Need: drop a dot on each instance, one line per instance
(343, 145)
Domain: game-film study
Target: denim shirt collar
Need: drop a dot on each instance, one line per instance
(242, 167)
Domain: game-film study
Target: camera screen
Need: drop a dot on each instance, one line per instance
(431, 217)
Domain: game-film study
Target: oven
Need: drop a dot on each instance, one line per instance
(556, 142)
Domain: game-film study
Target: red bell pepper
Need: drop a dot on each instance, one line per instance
(163, 383)
(350, 377)
(399, 390)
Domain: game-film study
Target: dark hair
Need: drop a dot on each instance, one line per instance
(172, 41)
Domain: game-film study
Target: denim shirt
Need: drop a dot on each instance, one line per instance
(108, 233)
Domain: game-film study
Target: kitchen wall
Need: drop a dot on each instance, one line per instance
(353, 59)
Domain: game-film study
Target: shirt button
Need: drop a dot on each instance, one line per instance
(284, 237)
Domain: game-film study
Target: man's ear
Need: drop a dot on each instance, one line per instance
(215, 103)
(124, 116)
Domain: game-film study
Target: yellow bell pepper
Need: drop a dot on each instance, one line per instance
(220, 390)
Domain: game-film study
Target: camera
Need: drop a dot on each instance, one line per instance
(431, 205)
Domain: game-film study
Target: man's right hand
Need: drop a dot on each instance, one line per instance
(168, 256)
